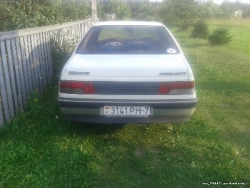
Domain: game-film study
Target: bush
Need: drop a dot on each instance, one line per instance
(220, 36)
(20, 14)
(179, 13)
(200, 30)
(63, 44)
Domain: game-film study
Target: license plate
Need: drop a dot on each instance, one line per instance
(126, 110)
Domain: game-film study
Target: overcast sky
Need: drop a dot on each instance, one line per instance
(220, 1)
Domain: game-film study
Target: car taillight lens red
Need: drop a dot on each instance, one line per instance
(178, 87)
(76, 87)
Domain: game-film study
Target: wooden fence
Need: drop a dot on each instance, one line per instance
(26, 62)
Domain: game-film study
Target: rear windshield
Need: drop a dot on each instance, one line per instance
(127, 40)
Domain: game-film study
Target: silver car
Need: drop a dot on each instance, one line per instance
(127, 72)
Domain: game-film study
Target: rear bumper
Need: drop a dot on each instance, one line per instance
(87, 110)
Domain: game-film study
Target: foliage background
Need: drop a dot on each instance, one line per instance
(18, 14)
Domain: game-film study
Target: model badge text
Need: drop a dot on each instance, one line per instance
(78, 73)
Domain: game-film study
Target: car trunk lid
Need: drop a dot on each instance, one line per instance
(126, 66)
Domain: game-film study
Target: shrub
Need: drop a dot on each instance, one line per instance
(200, 29)
(20, 14)
(63, 44)
(220, 36)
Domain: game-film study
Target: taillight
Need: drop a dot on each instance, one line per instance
(76, 87)
(176, 88)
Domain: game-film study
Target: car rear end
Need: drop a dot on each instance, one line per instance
(136, 79)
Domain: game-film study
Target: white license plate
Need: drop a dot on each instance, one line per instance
(126, 110)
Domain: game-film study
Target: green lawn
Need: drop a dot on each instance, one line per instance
(41, 149)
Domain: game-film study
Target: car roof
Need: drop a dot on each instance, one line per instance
(117, 23)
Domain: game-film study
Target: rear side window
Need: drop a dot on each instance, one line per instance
(127, 40)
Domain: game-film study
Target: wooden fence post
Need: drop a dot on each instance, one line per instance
(94, 10)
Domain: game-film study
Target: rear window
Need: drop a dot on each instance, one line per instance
(127, 40)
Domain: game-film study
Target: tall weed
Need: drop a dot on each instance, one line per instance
(63, 44)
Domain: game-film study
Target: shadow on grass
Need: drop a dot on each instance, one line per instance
(42, 149)
(180, 155)
(57, 153)
(93, 128)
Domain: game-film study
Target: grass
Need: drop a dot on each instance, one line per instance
(41, 149)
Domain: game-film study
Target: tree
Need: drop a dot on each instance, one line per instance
(208, 9)
(145, 10)
(245, 7)
(19, 14)
(228, 8)
(121, 9)
(179, 13)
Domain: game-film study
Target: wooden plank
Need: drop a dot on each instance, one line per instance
(34, 63)
(30, 63)
(40, 72)
(42, 57)
(46, 59)
(53, 41)
(83, 29)
(42, 35)
(39, 66)
(3, 92)
(73, 31)
(78, 32)
(17, 74)
(49, 49)
(1, 107)
(12, 76)
(20, 67)
(50, 37)
(52, 51)
(24, 69)
(49, 55)
(61, 38)
(7, 82)
(1, 114)
(46, 55)
(28, 81)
